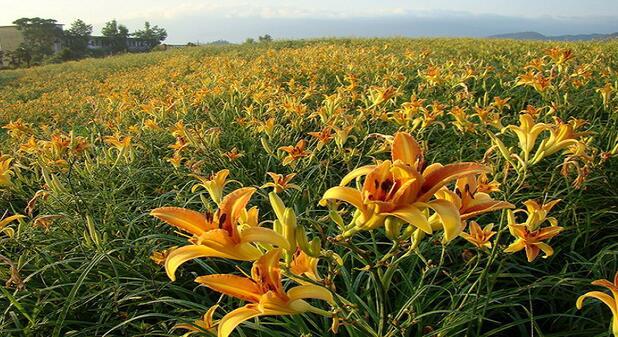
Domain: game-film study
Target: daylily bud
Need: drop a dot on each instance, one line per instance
(266, 147)
(277, 205)
(315, 247)
(336, 217)
(392, 227)
(289, 226)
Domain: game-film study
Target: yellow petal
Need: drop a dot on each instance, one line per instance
(406, 149)
(413, 216)
(437, 178)
(10, 219)
(267, 273)
(347, 194)
(484, 207)
(310, 291)
(361, 171)
(232, 285)
(230, 321)
(264, 235)
(188, 220)
(242, 252)
(601, 296)
(547, 249)
(231, 208)
(516, 246)
(449, 216)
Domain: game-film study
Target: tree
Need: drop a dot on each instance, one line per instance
(117, 36)
(153, 33)
(77, 38)
(265, 38)
(40, 35)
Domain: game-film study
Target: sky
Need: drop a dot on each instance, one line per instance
(236, 20)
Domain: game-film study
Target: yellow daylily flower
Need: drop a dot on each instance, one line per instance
(4, 222)
(527, 132)
(606, 93)
(537, 214)
(264, 290)
(561, 136)
(123, 145)
(217, 235)
(532, 241)
(214, 185)
(5, 171)
(479, 237)
(610, 300)
(402, 188)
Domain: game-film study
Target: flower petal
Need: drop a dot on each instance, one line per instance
(406, 149)
(10, 219)
(361, 171)
(188, 220)
(232, 285)
(232, 207)
(449, 216)
(435, 179)
(347, 194)
(310, 291)
(230, 321)
(601, 296)
(242, 252)
(413, 216)
(264, 235)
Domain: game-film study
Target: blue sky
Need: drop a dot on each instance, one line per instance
(235, 20)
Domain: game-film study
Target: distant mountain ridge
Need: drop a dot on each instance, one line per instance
(539, 36)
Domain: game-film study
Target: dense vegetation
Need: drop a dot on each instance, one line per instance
(90, 148)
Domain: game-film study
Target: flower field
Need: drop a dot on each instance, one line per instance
(389, 187)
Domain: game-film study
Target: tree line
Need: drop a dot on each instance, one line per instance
(40, 35)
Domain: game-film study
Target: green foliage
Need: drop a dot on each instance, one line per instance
(40, 35)
(151, 33)
(77, 37)
(117, 35)
(88, 274)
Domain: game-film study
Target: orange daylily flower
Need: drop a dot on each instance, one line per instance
(402, 188)
(294, 152)
(561, 136)
(281, 182)
(217, 235)
(206, 324)
(233, 154)
(305, 265)
(610, 300)
(265, 292)
(479, 237)
(470, 199)
(527, 132)
(537, 214)
(323, 137)
(532, 241)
